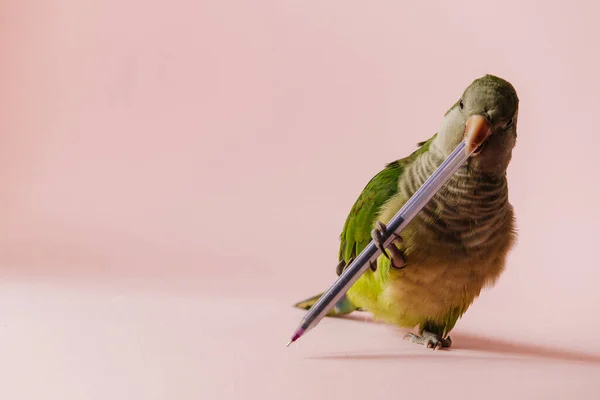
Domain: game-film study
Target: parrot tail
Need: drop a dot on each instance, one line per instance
(342, 307)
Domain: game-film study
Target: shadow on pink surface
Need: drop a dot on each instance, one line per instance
(507, 350)
(469, 341)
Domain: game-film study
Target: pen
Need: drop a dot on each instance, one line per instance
(370, 253)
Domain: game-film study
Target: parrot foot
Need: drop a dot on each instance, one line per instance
(430, 340)
(398, 261)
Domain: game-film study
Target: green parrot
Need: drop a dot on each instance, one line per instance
(458, 243)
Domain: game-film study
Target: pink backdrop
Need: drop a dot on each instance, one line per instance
(174, 176)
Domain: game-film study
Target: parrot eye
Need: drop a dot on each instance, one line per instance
(461, 105)
(510, 123)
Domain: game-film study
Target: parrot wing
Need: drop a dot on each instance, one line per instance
(356, 233)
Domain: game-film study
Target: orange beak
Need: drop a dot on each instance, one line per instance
(477, 130)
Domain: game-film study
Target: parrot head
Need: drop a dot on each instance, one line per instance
(485, 116)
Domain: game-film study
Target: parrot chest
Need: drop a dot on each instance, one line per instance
(454, 247)
(438, 278)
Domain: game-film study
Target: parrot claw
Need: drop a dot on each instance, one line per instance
(430, 340)
(378, 235)
(342, 266)
(373, 265)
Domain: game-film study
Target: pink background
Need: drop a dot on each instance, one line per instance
(174, 176)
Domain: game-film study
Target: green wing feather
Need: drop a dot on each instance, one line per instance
(356, 233)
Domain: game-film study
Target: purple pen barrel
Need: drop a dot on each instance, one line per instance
(370, 253)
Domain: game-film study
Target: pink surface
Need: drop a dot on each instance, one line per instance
(153, 156)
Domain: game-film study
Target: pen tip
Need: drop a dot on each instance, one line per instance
(297, 334)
